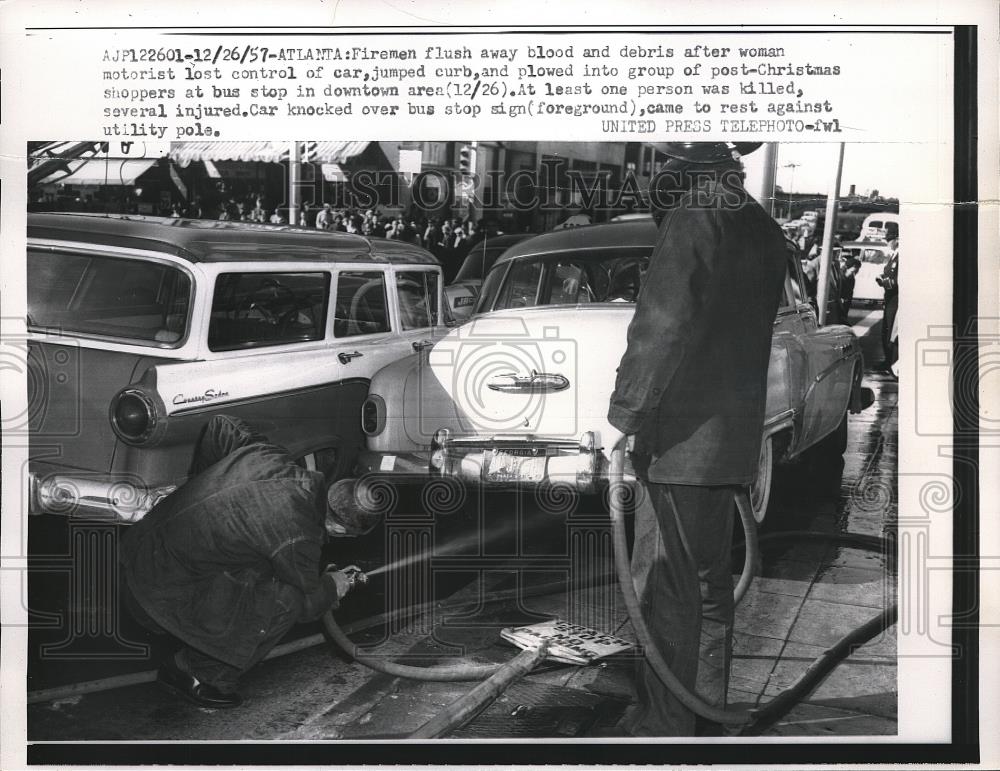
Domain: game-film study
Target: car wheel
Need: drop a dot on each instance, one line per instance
(825, 460)
(760, 488)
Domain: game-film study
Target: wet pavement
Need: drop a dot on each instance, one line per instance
(809, 594)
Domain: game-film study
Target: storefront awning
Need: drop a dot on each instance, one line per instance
(332, 172)
(184, 153)
(105, 171)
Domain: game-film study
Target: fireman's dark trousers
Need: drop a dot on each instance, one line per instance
(208, 669)
(682, 570)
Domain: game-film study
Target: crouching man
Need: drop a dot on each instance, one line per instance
(231, 560)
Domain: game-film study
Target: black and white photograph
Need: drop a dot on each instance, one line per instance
(400, 414)
(621, 439)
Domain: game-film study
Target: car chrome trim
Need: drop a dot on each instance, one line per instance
(151, 415)
(536, 382)
(380, 414)
(102, 498)
(472, 458)
(243, 401)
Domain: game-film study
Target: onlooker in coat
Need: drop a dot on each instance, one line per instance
(849, 267)
(324, 220)
(889, 281)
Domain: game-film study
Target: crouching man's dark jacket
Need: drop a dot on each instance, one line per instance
(209, 562)
(692, 384)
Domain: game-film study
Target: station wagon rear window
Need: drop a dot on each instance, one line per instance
(253, 310)
(138, 301)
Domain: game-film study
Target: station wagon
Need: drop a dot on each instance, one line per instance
(140, 329)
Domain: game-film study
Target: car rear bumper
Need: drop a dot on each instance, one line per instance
(499, 462)
(99, 497)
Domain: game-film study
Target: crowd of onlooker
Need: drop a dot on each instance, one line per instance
(448, 239)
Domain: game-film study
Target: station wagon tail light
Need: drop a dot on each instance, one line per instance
(373, 415)
(133, 415)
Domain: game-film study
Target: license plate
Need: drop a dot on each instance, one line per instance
(505, 467)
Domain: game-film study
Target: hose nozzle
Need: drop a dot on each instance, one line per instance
(356, 576)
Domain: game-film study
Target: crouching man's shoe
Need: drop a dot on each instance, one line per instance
(178, 682)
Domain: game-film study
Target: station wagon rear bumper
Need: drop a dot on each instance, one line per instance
(98, 497)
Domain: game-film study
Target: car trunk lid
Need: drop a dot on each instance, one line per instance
(541, 372)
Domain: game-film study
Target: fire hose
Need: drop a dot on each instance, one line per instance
(501, 675)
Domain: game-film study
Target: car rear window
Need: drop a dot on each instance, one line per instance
(251, 309)
(138, 301)
(489, 289)
(589, 276)
(520, 290)
(478, 263)
(875, 256)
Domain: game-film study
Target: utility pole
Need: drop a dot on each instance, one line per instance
(791, 185)
(293, 183)
(763, 191)
(832, 206)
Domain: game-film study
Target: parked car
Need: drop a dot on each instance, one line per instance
(141, 329)
(873, 255)
(880, 226)
(518, 396)
(461, 294)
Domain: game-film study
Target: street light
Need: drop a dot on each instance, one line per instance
(791, 166)
(791, 185)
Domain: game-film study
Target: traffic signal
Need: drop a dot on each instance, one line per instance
(465, 160)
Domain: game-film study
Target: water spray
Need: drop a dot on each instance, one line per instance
(453, 546)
